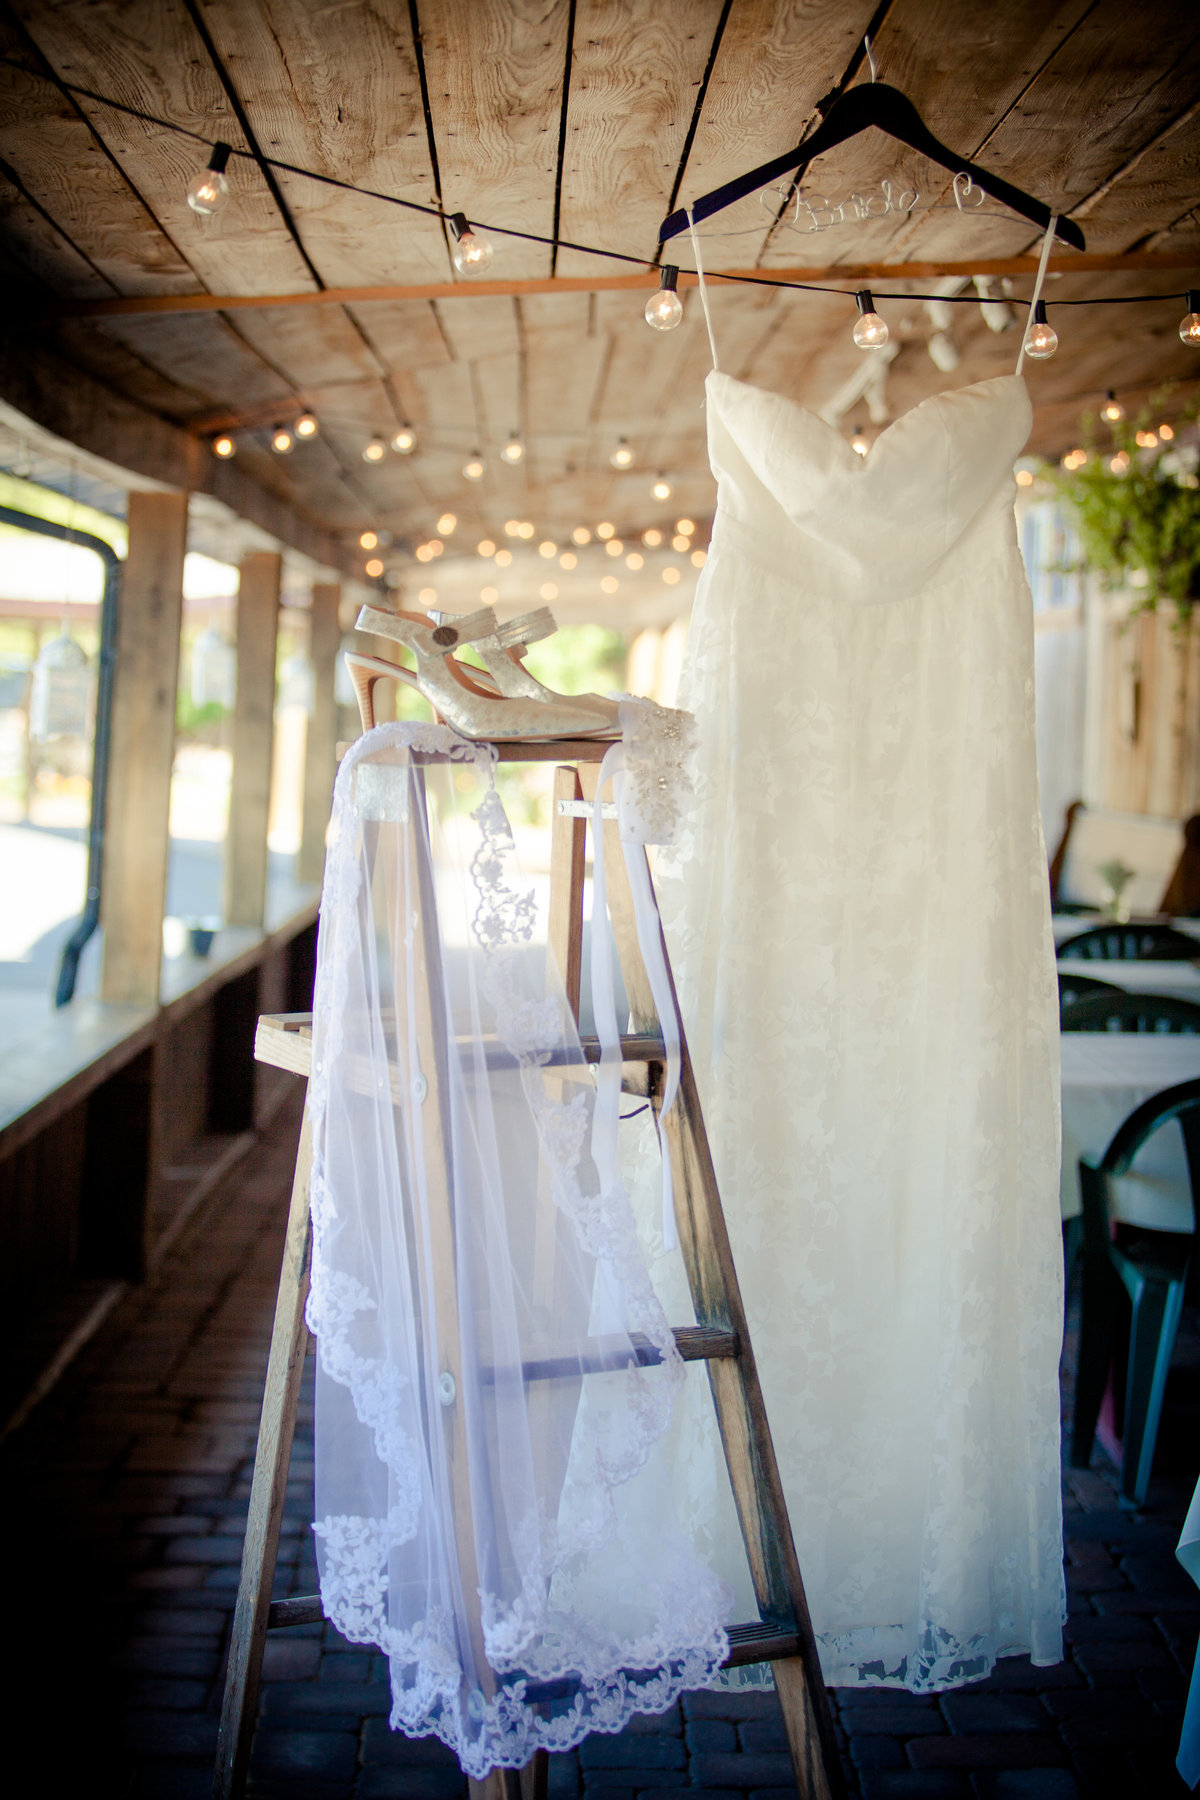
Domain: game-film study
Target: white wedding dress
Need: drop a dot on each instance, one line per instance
(858, 919)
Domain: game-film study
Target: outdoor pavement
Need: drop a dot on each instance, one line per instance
(125, 1498)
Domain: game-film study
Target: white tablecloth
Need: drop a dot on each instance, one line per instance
(1069, 925)
(1180, 979)
(1105, 1075)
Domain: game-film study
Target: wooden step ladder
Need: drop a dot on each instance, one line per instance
(782, 1635)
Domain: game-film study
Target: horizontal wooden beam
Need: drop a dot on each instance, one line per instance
(853, 274)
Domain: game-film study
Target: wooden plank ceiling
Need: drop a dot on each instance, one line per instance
(583, 121)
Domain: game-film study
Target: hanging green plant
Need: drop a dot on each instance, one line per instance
(1136, 506)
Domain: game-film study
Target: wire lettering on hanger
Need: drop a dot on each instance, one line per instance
(818, 213)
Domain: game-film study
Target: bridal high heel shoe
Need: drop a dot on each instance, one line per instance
(502, 652)
(461, 700)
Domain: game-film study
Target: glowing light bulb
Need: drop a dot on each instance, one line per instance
(635, 560)
(1112, 410)
(513, 451)
(581, 535)
(503, 558)
(1118, 463)
(1147, 440)
(1024, 477)
(698, 558)
(664, 310)
(661, 488)
(870, 332)
(369, 539)
(858, 442)
(282, 441)
(622, 456)
(1189, 325)
(679, 542)
(525, 528)
(548, 590)
(306, 426)
(614, 547)
(473, 467)
(486, 547)
(670, 575)
(405, 441)
(568, 560)
(1164, 431)
(375, 451)
(652, 538)
(1041, 340)
(605, 528)
(512, 527)
(423, 553)
(208, 190)
(472, 254)
(547, 549)
(609, 584)
(685, 527)
(488, 594)
(446, 524)
(375, 567)
(223, 445)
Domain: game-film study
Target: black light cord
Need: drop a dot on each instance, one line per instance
(264, 162)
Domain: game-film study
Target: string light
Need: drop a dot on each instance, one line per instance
(282, 441)
(488, 594)
(1165, 433)
(208, 190)
(473, 467)
(622, 456)
(858, 442)
(568, 560)
(609, 584)
(1041, 340)
(486, 547)
(1189, 325)
(547, 549)
(581, 535)
(427, 596)
(1119, 463)
(685, 527)
(405, 441)
(652, 538)
(614, 547)
(670, 575)
(605, 528)
(870, 332)
(525, 528)
(1112, 410)
(679, 542)
(436, 546)
(446, 524)
(635, 560)
(375, 567)
(1024, 477)
(306, 426)
(223, 446)
(661, 488)
(548, 590)
(513, 451)
(664, 310)
(423, 553)
(1074, 459)
(375, 451)
(698, 558)
(368, 540)
(472, 254)
(503, 558)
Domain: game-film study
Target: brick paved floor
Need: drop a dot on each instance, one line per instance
(125, 1501)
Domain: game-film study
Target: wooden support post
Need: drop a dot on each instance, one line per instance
(143, 749)
(320, 744)
(253, 734)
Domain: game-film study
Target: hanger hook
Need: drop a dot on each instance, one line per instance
(870, 58)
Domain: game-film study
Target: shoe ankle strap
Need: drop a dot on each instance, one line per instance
(529, 628)
(431, 639)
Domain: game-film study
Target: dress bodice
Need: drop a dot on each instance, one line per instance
(867, 529)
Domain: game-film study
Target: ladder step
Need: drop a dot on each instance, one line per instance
(302, 1609)
(695, 1343)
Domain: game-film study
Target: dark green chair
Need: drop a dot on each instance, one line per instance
(1130, 943)
(1119, 1010)
(1148, 1269)
(1072, 987)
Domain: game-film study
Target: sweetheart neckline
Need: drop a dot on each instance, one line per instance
(858, 461)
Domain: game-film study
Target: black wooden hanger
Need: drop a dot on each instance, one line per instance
(874, 103)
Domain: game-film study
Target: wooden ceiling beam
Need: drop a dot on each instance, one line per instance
(1151, 261)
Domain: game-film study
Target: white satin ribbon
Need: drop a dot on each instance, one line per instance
(606, 1118)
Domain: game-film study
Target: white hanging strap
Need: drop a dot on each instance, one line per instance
(703, 290)
(1047, 246)
(606, 1117)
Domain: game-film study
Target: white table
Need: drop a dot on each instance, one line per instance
(1069, 925)
(1105, 1075)
(1179, 979)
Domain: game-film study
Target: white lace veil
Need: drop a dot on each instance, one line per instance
(493, 1364)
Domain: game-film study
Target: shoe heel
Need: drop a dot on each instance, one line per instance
(363, 679)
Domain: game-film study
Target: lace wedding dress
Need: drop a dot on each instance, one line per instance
(485, 1426)
(858, 919)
